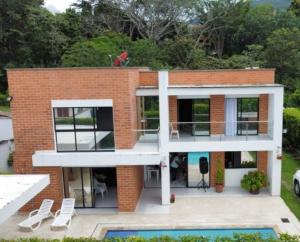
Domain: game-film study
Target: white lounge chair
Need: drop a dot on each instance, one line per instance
(63, 216)
(36, 217)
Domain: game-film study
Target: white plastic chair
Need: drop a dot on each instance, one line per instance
(100, 188)
(36, 217)
(174, 132)
(63, 216)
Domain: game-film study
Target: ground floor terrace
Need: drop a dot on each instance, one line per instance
(120, 188)
(224, 210)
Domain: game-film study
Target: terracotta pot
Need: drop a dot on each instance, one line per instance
(172, 199)
(219, 188)
(254, 192)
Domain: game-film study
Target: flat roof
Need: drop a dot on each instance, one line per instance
(141, 68)
(144, 68)
(17, 190)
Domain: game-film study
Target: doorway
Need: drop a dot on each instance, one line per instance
(91, 187)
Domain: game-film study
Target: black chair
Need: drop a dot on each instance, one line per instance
(203, 167)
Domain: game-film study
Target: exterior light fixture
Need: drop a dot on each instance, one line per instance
(279, 153)
(9, 98)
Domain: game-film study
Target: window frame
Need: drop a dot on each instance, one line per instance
(239, 104)
(208, 100)
(78, 130)
(230, 168)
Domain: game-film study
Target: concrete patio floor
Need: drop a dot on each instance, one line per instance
(192, 212)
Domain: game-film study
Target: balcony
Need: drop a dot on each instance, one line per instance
(147, 140)
(220, 131)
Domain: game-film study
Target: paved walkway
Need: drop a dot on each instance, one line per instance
(193, 212)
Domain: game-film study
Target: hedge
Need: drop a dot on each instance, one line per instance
(3, 101)
(292, 124)
(236, 238)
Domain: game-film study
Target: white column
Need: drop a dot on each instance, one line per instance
(163, 79)
(274, 164)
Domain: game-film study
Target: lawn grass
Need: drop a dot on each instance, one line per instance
(5, 108)
(289, 167)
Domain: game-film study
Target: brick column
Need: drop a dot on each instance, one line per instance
(173, 108)
(263, 113)
(217, 114)
(214, 156)
(262, 161)
(130, 181)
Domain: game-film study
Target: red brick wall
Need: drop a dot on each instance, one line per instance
(173, 108)
(149, 78)
(263, 113)
(130, 180)
(262, 161)
(221, 77)
(217, 114)
(33, 90)
(214, 156)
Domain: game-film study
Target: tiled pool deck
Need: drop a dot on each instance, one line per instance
(186, 212)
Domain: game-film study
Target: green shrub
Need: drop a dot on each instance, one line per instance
(10, 160)
(236, 238)
(292, 124)
(253, 181)
(3, 101)
(219, 173)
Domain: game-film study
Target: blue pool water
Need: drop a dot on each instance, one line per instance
(176, 233)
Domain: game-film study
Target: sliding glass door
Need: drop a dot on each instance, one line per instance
(201, 116)
(78, 185)
(247, 116)
(91, 187)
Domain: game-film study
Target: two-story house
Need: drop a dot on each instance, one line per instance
(105, 134)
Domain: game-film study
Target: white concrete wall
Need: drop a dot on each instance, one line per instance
(233, 177)
(6, 130)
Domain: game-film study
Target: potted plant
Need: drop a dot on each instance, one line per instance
(219, 186)
(172, 199)
(253, 181)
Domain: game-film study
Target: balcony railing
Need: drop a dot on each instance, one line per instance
(237, 130)
(147, 139)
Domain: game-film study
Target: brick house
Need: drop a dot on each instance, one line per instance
(106, 134)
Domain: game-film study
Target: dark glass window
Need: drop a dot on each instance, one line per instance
(247, 116)
(84, 129)
(244, 159)
(149, 112)
(201, 116)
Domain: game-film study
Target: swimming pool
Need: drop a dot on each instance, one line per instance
(176, 233)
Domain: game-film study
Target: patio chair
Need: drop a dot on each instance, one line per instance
(174, 132)
(63, 216)
(100, 188)
(36, 217)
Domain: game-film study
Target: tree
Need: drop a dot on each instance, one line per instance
(283, 53)
(259, 23)
(144, 52)
(156, 19)
(295, 7)
(99, 51)
(219, 20)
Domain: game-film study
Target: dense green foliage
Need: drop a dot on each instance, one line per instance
(292, 124)
(192, 34)
(236, 238)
